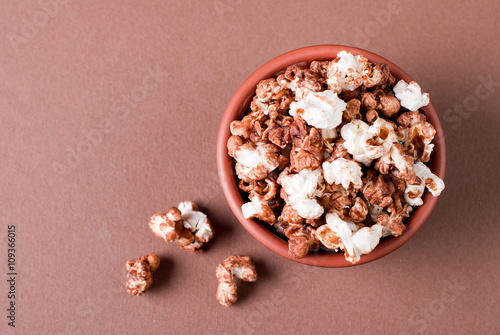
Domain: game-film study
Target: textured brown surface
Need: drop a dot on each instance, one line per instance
(79, 219)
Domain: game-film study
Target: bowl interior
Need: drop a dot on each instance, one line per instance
(238, 107)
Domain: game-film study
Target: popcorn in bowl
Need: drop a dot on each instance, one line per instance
(334, 140)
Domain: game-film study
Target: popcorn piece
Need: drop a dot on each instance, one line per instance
(375, 211)
(371, 116)
(410, 118)
(300, 81)
(271, 98)
(344, 235)
(352, 109)
(267, 90)
(344, 172)
(322, 110)
(140, 273)
(241, 267)
(242, 128)
(290, 215)
(433, 183)
(380, 75)
(339, 151)
(351, 133)
(258, 208)
(338, 200)
(396, 158)
(309, 209)
(301, 159)
(300, 192)
(278, 131)
(413, 193)
(301, 239)
(320, 67)
(378, 190)
(346, 72)
(303, 185)
(391, 225)
(416, 135)
(378, 139)
(358, 211)
(184, 225)
(253, 161)
(266, 190)
(307, 138)
(382, 102)
(411, 95)
(366, 142)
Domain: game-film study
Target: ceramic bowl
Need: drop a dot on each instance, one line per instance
(262, 232)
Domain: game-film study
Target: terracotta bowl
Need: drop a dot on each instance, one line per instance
(239, 105)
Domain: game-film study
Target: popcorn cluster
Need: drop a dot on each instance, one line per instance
(140, 273)
(332, 155)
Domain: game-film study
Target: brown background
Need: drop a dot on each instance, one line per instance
(80, 218)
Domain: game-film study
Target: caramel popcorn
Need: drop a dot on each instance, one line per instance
(332, 155)
(140, 273)
(241, 267)
(184, 225)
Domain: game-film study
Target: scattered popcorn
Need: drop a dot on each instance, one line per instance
(331, 155)
(184, 225)
(140, 273)
(410, 95)
(322, 110)
(241, 267)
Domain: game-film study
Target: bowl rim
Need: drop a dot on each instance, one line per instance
(237, 107)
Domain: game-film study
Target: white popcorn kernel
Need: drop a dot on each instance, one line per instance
(378, 139)
(307, 208)
(352, 133)
(196, 221)
(410, 95)
(366, 142)
(433, 183)
(413, 194)
(252, 158)
(322, 110)
(337, 233)
(252, 208)
(303, 185)
(343, 172)
(346, 72)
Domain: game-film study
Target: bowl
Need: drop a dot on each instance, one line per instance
(239, 105)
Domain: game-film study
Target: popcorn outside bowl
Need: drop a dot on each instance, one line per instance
(239, 105)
